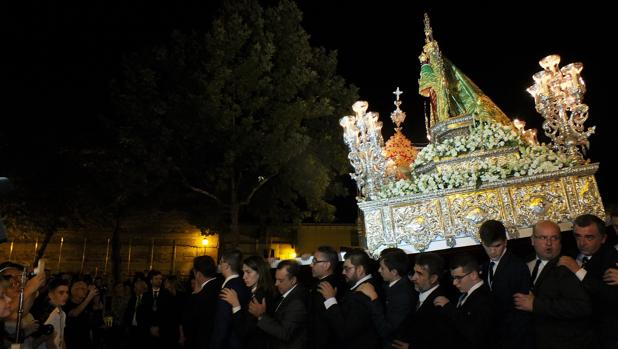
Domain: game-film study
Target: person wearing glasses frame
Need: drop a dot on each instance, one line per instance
(559, 305)
(470, 319)
(323, 266)
(351, 319)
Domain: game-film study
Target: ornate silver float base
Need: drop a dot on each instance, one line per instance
(448, 219)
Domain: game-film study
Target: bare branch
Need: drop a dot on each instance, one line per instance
(188, 185)
(261, 182)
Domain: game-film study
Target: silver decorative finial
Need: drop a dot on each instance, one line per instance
(398, 116)
(398, 92)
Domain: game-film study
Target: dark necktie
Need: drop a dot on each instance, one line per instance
(585, 261)
(155, 296)
(279, 303)
(491, 273)
(461, 299)
(535, 272)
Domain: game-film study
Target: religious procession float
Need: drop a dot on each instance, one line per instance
(479, 164)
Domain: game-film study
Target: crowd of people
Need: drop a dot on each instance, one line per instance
(554, 299)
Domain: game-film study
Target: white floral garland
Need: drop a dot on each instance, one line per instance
(482, 136)
(531, 160)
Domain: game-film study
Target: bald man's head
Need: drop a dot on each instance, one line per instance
(546, 240)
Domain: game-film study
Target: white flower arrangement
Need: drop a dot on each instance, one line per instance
(482, 136)
(530, 160)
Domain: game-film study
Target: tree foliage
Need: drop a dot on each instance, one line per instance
(245, 116)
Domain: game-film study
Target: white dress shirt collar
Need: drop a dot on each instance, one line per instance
(472, 289)
(228, 279)
(204, 284)
(423, 295)
(367, 277)
(288, 292)
(392, 283)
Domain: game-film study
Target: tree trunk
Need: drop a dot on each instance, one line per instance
(234, 214)
(116, 246)
(49, 232)
(234, 225)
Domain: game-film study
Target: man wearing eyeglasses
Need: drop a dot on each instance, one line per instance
(559, 304)
(589, 264)
(323, 265)
(351, 319)
(471, 318)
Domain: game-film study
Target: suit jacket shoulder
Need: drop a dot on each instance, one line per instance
(351, 321)
(472, 319)
(420, 328)
(287, 325)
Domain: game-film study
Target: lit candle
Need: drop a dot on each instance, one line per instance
(519, 124)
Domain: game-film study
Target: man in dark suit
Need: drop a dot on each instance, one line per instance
(388, 314)
(287, 326)
(157, 302)
(505, 274)
(470, 320)
(559, 304)
(593, 258)
(135, 319)
(351, 320)
(198, 315)
(223, 336)
(323, 265)
(419, 331)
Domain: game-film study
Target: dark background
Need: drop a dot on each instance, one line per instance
(497, 44)
(59, 58)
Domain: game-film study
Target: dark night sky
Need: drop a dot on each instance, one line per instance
(61, 55)
(497, 44)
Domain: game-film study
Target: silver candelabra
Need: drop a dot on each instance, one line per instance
(558, 94)
(363, 135)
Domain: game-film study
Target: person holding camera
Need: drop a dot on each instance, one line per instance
(12, 274)
(79, 310)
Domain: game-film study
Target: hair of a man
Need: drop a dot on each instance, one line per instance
(292, 267)
(153, 273)
(466, 261)
(359, 257)
(234, 259)
(397, 259)
(590, 219)
(432, 262)
(205, 265)
(330, 255)
(57, 282)
(492, 231)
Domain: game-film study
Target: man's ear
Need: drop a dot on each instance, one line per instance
(476, 275)
(433, 279)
